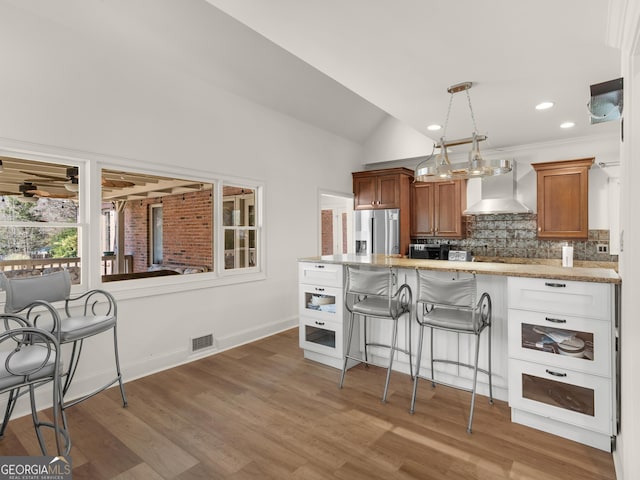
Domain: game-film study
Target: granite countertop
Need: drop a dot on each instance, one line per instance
(601, 272)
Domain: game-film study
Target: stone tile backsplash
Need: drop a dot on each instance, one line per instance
(514, 235)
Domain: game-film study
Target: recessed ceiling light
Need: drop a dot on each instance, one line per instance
(434, 127)
(544, 105)
(567, 125)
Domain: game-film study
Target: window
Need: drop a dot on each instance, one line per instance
(39, 219)
(240, 227)
(149, 225)
(155, 233)
(163, 225)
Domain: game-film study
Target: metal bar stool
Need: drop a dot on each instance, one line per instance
(450, 304)
(29, 358)
(369, 294)
(89, 314)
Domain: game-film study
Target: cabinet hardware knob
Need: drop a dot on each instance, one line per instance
(318, 289)
(319, 266)
(555, 320)
(555, 374)
(319, 323)
(555, 285)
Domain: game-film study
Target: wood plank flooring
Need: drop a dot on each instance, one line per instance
(262, 411)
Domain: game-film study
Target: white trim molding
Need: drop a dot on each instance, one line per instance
(623, 28)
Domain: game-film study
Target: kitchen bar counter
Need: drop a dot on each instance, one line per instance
(531, 270)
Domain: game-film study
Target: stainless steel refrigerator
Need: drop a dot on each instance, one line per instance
(377, 231)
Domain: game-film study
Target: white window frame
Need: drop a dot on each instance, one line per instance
(90, 166)
(237, 229)
(152, 237)
(259, 229)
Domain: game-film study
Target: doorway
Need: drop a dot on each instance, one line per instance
(336, 224)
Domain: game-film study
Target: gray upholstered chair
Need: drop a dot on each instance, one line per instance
(371, 294)
(97, 314)
(449, 303)
(29, 357)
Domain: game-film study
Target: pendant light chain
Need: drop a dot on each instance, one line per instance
(437, 167)
(446, 122)
(473, 118)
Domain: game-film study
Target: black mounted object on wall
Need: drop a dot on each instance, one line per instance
(606, 101)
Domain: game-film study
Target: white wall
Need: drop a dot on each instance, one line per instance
(395, 140)
(626, 457)
(59, 90)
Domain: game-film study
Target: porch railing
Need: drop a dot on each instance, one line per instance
(108, 267)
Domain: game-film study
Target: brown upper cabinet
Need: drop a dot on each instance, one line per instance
(563, 198)
(436, 209)
(377, 189)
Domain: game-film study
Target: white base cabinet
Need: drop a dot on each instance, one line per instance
(562, 358)
(559, 338)
(322, 331)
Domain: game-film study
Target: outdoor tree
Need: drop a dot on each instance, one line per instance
(26, 241)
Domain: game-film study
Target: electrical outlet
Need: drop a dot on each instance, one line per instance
(602, 248)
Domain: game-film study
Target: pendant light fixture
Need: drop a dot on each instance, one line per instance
(437, 167)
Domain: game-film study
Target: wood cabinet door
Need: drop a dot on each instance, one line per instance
(364, 190)
(388, 191)
(422, 209)
(448, 208)
(563, 199)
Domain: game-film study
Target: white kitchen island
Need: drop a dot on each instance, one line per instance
(572, 395)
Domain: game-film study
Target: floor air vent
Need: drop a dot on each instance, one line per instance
(201, 343)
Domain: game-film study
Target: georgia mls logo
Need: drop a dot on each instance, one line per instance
(35, 468)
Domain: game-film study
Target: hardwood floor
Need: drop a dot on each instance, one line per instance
(262, 411)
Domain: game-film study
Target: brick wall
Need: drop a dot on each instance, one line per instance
(187, 230)
(327, 232)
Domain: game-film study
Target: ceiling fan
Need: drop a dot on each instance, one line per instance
(29, 192)
(71, 180)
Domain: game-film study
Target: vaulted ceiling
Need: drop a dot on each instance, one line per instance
(346, 66)
(401, 56)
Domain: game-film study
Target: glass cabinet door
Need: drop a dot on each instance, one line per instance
(320, 336)
(320, 302)
(581, 344)
(558, 341)
(553, 392)
(570, 397)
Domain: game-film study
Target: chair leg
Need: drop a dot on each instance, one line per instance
(115, 349)
(475, 378)
(347, 353)
(366, 355)
(36, 420)
(412, 409)
(409, 349)
(489, 370)
(73, 365)
(74, 360)
(433, 373)
(11, 403)
(394, 342)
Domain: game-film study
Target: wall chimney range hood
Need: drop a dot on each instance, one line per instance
(498, 196)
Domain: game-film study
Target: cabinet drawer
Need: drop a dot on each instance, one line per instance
(320, 274)
(324, 303)
(586, 299)
(561, 394)
(322, 337)
(575, 343)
